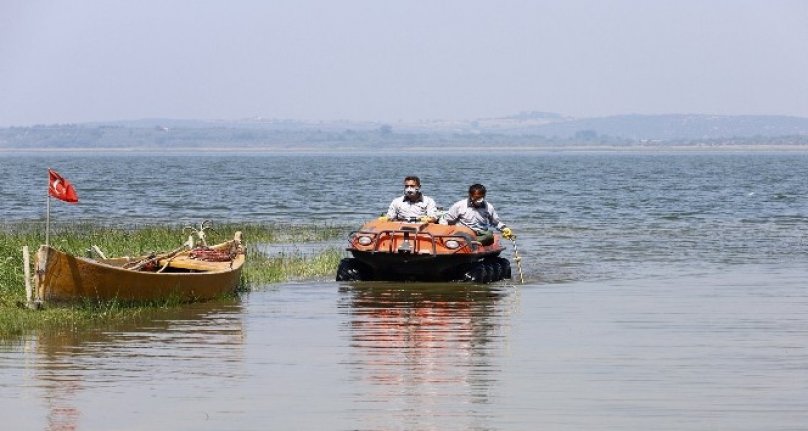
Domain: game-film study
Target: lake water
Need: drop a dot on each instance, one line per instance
(663, 291)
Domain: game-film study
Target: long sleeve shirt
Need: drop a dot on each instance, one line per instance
(402, 208)
(478, 219)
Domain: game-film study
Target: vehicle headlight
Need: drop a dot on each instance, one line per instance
(451, 244)
(365, 240)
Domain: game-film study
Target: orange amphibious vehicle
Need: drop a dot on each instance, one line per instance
(411, 250)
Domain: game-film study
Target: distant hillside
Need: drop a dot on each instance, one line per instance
(671, 127)
(531, 129)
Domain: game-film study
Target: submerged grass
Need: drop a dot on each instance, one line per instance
(260, 268)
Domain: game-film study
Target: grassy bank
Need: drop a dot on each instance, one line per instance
(260, 268)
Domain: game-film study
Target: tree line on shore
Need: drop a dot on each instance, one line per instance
(383, 137)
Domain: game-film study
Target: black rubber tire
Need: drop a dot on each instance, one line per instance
(494, 270)
(482, 273)
(505, 268)
(350, 269)
(476, 273)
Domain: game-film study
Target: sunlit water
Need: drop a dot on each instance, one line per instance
(663, 292)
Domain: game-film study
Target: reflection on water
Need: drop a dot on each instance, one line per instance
(426, 351)
(663, 291)
(717, 349)
(188, 345)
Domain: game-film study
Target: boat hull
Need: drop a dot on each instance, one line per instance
(67, 278)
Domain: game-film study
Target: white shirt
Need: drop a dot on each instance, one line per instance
(402, 208)
(478, 219)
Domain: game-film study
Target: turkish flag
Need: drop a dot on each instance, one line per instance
(61, 188)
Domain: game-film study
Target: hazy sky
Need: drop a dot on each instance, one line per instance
(390, 60)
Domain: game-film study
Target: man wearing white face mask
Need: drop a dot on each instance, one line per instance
(413, 206)
(478, 215)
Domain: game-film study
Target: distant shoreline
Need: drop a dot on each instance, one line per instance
(417, 149)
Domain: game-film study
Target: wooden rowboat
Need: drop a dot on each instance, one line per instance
(183, 275)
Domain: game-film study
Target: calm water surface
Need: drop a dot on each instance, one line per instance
(663, 292)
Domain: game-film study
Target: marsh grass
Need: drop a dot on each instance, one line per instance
(76, 238)
(262, 269)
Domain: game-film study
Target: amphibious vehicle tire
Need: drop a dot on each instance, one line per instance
(476, 273)
(505, 266)
(350, 269)
(494, 270)
(488, 271)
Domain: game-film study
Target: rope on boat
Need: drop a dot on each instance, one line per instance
(201, 252)
(210, 255)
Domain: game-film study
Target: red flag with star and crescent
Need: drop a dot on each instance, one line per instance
(61, 188)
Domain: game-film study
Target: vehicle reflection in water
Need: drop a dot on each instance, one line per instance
(430, 352)
(192, 345)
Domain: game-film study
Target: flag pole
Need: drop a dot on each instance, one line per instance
(47, 212)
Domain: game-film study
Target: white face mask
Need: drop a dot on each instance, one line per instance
(411, 191)
(479, 202)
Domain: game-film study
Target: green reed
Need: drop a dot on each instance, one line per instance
(262, 268)
(76, 238)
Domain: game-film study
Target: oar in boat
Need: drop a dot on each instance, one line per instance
(156, 258)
